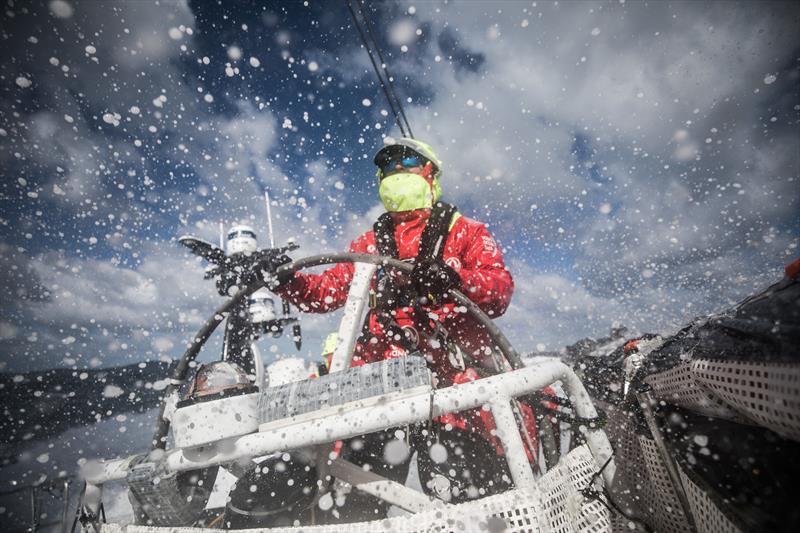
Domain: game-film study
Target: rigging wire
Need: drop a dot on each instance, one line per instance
(386, 90)
(375, 67)
(384, 65)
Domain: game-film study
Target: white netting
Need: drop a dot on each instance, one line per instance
(767, 393)
(563, 507)
(659, 496)
(679, 387)
(707, 516)
(762, 393)
(631, 480)
(643, 487)
(554, 506)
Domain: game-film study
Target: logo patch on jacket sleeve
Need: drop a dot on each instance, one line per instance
(453, 262)
(489, 245)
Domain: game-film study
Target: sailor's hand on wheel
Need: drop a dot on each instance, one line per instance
(267, 267)
(433, 278)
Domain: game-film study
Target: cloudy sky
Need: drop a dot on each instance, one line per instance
(638, 162)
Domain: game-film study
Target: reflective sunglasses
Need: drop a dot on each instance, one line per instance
(405, 161)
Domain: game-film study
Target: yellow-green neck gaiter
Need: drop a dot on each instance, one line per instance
(405, 191)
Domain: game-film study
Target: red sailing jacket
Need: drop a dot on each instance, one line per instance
(472, 252)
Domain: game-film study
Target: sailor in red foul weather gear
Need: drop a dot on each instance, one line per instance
(448, 250)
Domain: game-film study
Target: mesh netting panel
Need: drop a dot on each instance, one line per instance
(620, 524)
(762, 393)
(661, 499)
(554, 505)
(157, 492)
(631, 478)
(643, 488)
(564, 508)
(707, 516)
(766, 393)
(679, 387)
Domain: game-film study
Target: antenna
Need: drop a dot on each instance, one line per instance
(269, 220)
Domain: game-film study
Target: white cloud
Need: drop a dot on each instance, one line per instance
(617, 145)
(248, 137)
(549, 309)
(162, 301)
(624, 156)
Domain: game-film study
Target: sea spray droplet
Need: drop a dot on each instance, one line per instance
(60, 9)
(395, 452)
(234, 53)
(112, 391)
(438, 453)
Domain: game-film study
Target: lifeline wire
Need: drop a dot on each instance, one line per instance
(368, 24)
(375, 67)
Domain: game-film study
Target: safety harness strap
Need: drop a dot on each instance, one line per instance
(388, 295)
(434, 236)
(384, 236)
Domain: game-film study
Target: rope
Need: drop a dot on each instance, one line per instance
(590, 493)
(213, 524)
